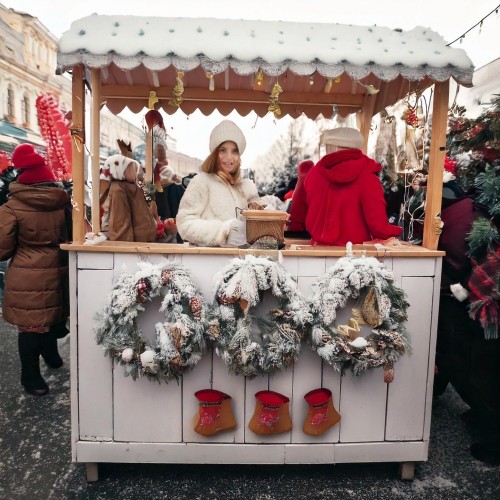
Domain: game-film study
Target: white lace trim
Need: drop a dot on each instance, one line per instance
(243, 68)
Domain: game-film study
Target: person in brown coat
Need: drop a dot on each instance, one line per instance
(130, 217)
(33, 224)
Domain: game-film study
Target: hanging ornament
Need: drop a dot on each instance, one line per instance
(271, 415)
(259, 77)
(152, 100)
(211, 82)
(321, 413)
(177, 91)
(410, 117)
(154, 118)
(214, 412)
(274, 103)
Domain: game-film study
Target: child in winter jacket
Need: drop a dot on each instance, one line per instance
(343, 199)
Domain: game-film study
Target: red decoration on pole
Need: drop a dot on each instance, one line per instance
(54, 129)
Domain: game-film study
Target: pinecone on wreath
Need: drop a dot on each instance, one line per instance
(196, 306)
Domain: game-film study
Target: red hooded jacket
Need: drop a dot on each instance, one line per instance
(345, 200)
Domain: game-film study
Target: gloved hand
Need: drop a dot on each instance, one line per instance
(237, 233)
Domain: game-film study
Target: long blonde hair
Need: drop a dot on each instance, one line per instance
(209, 166)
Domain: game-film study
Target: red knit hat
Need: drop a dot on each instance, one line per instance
(33, 166)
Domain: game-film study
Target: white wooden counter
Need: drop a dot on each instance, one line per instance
(116, 419)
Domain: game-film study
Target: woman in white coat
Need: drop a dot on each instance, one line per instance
(207, 213)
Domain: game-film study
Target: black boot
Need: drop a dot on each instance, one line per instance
(49, 351)
(29, 351)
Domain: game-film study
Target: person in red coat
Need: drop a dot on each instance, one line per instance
(344, 198)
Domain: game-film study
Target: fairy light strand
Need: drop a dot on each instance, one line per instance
(477, 24)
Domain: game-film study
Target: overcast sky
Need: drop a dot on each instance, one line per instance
(449, 18)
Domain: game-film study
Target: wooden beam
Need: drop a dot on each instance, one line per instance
(432, 220)
(78, 151)
(219, 95)
(95, 142)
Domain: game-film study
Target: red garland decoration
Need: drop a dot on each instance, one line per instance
(5, 162)
(450, 165)
(56, 134)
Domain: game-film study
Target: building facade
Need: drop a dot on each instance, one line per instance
(28, 60)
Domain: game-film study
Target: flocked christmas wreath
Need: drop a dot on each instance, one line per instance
(180, 340)
(248, 344)
(379, 305)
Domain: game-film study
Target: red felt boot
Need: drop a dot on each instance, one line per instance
(321, 415)
(215, 413)
(271, 414)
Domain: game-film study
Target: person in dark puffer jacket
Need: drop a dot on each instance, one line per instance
(33, 224)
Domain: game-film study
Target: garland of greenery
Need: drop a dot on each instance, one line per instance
(380, 304)
(250, 345)
(180, 340)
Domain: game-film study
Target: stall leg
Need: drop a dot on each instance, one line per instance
(407, 470)
(92, 471)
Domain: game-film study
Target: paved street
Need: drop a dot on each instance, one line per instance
(35, 458)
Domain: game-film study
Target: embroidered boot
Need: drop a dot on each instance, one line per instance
(215, 413)
(271, 415)
(321, 415)
(29, 351)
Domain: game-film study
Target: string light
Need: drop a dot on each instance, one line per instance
(479, 23)
(211, 82)
(328, 86)
(311, 80)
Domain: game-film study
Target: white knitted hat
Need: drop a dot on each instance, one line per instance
(343, 137)
(227, 131)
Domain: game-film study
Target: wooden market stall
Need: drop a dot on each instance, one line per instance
(285, 68)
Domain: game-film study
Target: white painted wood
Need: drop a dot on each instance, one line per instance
(203, 268)
(73, 348)
(306, 377)
(406, 399)
(234, 386)
(362, 407)
(432, 351)
(95, 260)
(309, 454)
(195, 453)
(332, 381)
(158, 427)
(311, 266)
(397, 451)
(155, 408)
(190, 453)
(305, 284)
(196, 380)
(94, 370)
(413, 266)
(252, 386)
(291, 264)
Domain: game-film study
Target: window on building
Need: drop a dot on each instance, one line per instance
(26, 111)
(10, 103)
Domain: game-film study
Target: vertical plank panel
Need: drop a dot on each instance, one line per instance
(196, 380)
(406, 400)
(306, 377)
(73, 346)
(362, 407)
(94, 370)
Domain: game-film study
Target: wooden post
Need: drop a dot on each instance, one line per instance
(95, 142)
(78, 152)
(149, 155)
(364, 118)
(432, 220)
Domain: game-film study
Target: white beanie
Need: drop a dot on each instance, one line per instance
(343, 137)
(227, 131)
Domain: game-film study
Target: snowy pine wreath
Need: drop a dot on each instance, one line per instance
(380, 305)
(180, 340)
(251, 345)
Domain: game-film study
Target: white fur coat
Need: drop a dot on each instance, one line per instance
(207, 207)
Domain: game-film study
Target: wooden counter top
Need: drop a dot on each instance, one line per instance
(292, 248)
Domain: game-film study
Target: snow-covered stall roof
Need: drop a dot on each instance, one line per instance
(147, 53)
